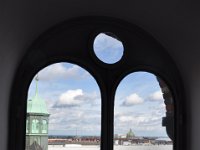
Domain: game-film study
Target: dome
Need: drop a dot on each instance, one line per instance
(130, 134)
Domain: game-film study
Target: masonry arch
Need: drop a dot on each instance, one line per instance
(72, 41)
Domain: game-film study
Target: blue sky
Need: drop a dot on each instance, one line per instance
(73, 98)
(108, 49)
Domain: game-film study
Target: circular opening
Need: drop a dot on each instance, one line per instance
(108, 48)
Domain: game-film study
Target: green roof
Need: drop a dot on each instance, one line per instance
(36, 104)
(130, 134)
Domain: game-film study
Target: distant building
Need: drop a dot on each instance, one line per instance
(122, 136)
(37, 123)
(130, 134)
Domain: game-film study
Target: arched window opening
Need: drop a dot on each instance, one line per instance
(44, 126)
(84, 114)
(35, 126)
(143, 114)
(63, 108)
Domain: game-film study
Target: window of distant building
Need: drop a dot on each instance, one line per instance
(73, 42)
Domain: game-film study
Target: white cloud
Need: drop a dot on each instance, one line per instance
(77, 97)
(126, 118)
(70, 98)
(139, 120)
(49, 103)
(162, 106)
(59, 71)
(132, 99)
(70, 119)
(156, 96)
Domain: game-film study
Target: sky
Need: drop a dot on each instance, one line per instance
(73, 97)
(108, 49)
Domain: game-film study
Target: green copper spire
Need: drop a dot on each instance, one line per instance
(36, 85)
(36, 104)
(37, 120)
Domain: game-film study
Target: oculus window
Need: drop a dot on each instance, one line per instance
(108, 48)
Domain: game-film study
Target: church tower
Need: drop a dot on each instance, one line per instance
(37, 119)
(130, 134)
